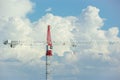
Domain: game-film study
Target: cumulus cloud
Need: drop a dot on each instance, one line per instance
(15, 8)
(89, 55)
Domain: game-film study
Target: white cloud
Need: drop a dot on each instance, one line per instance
(15, 8)
(48, 10)
(112, 32)
(95, 57)
(89, 20)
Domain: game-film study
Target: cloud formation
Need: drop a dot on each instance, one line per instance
(48, 9)
(85, 59)
(15, 8)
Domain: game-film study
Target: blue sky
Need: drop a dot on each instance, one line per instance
(109, 9)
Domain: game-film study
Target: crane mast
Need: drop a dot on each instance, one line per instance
(48, 53)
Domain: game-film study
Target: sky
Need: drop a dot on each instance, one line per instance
(109, 9)
(92, 25)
